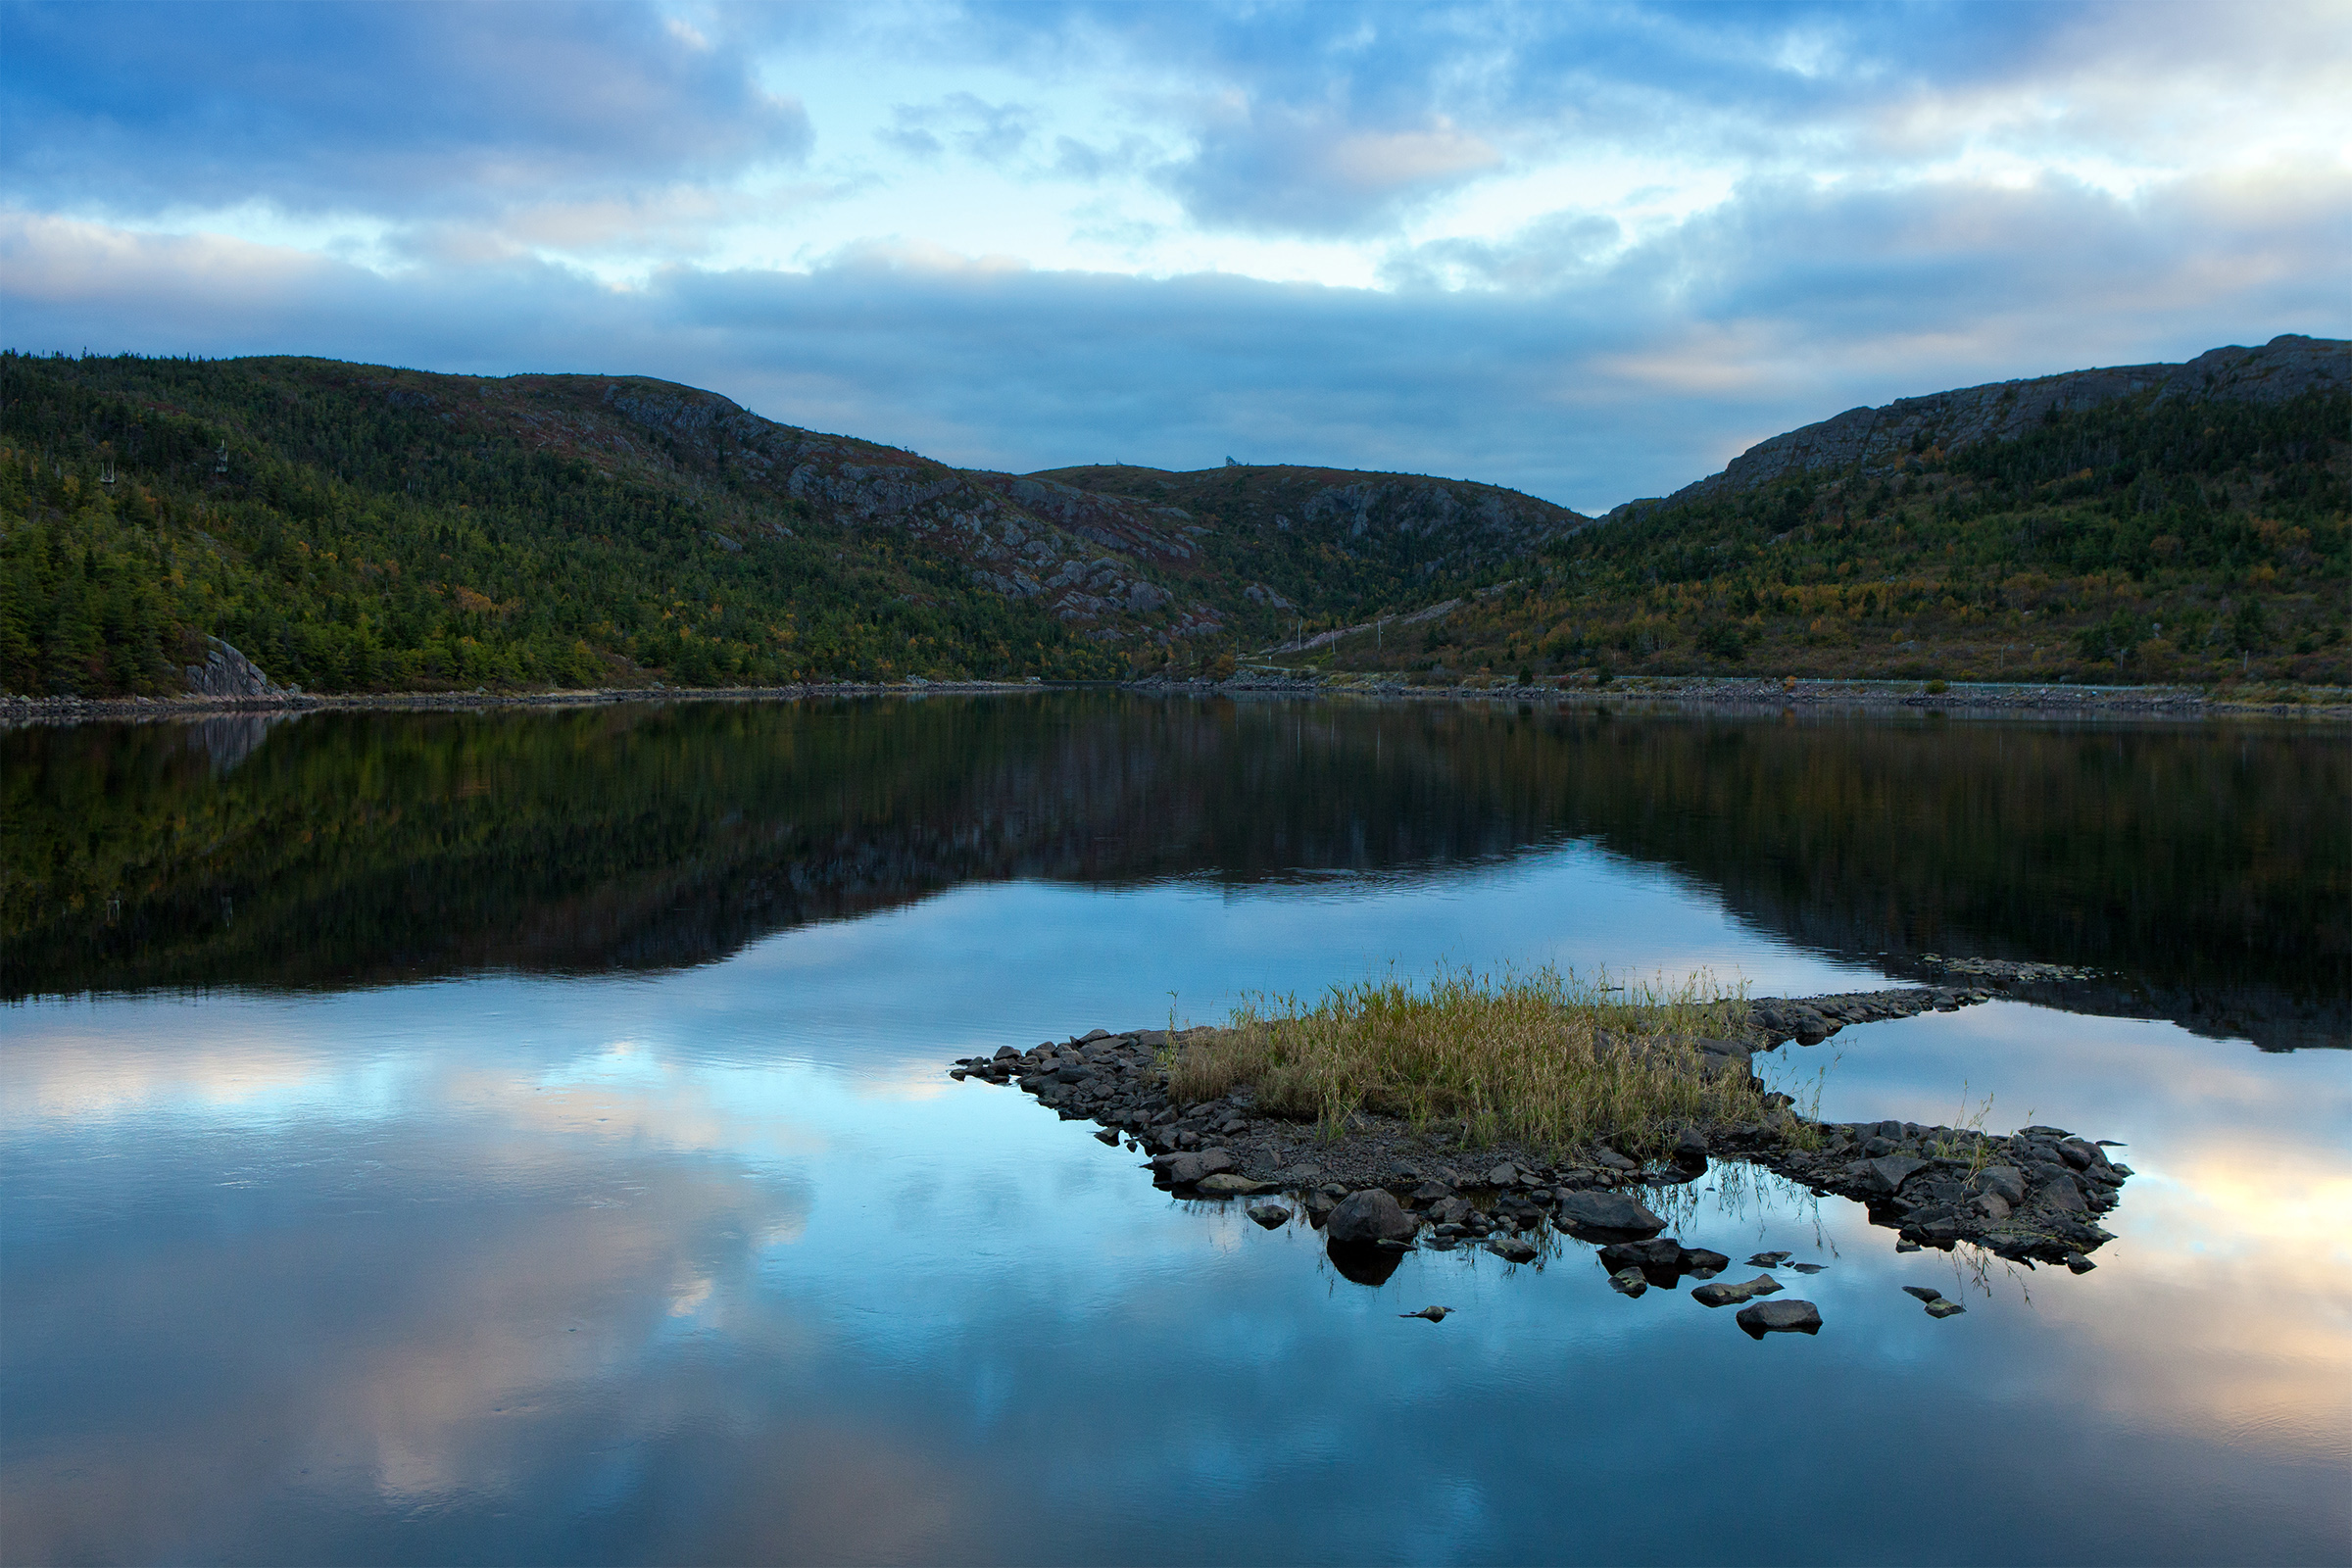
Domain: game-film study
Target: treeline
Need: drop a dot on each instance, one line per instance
(352, 848)
(2135, 541)
(346, 542)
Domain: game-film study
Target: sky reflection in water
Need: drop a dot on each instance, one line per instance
(714, 1264)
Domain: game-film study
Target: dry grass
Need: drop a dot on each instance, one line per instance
(1545, 1059)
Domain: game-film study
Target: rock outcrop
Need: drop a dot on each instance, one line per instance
(228, 673)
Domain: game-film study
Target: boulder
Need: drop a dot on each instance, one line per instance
(1367, 1217)
(1228, 1184)
(1503, 1175)
(1760, 1318)
(1689, 1150)
(1606, 1215)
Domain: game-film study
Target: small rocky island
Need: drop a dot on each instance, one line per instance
(1377, 1185)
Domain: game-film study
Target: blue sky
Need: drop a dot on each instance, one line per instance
(1588, 251)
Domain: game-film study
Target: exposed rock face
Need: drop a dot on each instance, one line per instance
(225, 672)
(1869, 442)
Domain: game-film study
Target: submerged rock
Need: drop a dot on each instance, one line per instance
(1271, 1215)
(1511, 1249)
(1727, 1295)
(1627, 1281)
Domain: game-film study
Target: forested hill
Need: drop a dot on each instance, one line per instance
(2156, 523)
(356, 527)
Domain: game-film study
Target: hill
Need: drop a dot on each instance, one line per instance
(356, 527)
(2185, 522)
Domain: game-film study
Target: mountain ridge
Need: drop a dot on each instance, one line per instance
(1872, 441)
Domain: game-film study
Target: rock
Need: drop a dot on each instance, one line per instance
(1760, 1318)
(2080, 1264)
(1726, 1295)
(1614, 1160)
(1108, 1134)
(1226, 1184)
(2004, 1182)
(1505, 1174)
(1768, 1259)
(1887, 1174)
(1663, 1255)
(1511, 1249)
(1808, 1268)
(1702, 1263)
(1925, 1293)
(1369, 1216)
(1689, 1150)
(1906, 1245)
(1431, 1192)
(1434, 1314)
(2080, 1152)
(1992, 1205)
(2063, 1194)
(1605, 1215)
(1184, 1169)
(1271, 1215)
(1628, 1282)
(1940, 1308)
(1450, 1211)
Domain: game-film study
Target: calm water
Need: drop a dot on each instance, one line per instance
(522, 1138)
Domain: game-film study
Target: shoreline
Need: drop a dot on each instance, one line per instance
(1381, 1188)
(1678, 693)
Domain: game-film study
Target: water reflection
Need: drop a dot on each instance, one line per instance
(708, 1262)
(2209, 872)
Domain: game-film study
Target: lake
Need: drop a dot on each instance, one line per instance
(524, 1137)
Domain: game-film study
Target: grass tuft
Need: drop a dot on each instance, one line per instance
(1545, 1059)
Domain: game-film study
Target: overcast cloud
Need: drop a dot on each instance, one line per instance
(1590, 252)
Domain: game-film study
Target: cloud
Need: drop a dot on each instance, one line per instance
(1313, 172)
(1612, 374)
(397, 111)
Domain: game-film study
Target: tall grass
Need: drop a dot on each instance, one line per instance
(1545, 1059)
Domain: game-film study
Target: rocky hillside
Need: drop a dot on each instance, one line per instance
(360, 527)
(2168, 523)
(1873, 443)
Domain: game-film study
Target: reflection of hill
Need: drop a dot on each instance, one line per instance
(2209, 869)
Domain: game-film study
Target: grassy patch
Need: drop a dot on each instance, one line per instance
(1545, 1059)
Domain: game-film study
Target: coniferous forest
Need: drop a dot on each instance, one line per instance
(352, 529)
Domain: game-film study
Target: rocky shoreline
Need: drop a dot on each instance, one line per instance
(1633, 693)
(75, 710)
(1756, 694)
(1382, 1187)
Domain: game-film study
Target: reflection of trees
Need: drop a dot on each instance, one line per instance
(373, 846)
